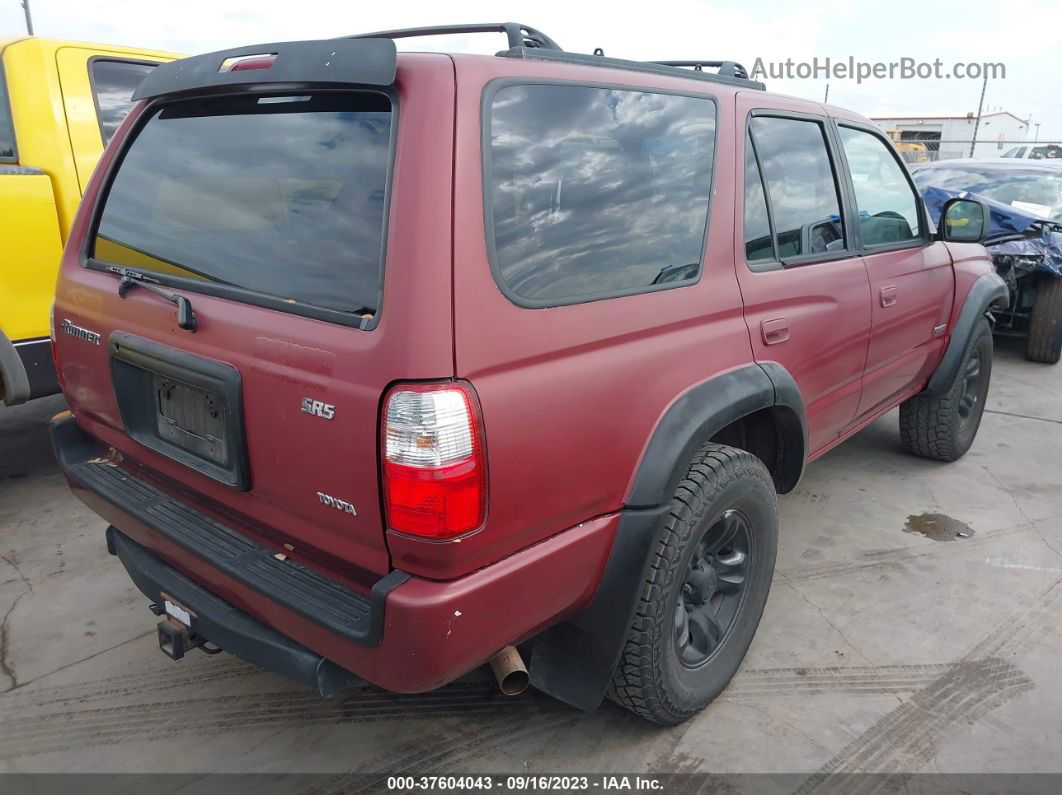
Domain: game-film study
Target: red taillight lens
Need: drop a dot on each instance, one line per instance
(434, 469)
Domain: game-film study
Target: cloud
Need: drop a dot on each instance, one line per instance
(1024, 36)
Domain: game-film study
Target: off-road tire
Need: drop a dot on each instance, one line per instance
(650, 679)
(1044, 343)
(932, 426)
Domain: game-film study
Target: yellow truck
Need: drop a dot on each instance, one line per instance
(60, 102)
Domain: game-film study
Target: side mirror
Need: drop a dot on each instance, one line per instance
(963, 221)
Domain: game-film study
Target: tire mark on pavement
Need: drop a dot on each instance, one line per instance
(907, 737)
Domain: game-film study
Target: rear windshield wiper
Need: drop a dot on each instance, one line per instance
(185, 316)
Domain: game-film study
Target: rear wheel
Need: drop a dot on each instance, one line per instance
(944, 426)
(1044, 343)
(708, 580)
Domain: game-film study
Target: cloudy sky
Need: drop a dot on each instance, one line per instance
(1025, 36)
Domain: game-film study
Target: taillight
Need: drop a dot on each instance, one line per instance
(434, 467)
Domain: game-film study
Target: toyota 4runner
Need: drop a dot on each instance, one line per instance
(380, 365)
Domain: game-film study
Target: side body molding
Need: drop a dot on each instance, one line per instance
(573, 661)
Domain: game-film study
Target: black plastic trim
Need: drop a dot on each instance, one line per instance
(355, 617)
(988, 291)
(131, 355)
(39, 366)
(516, 34)
(537, 54)
(325, 62)
(486, 101)
(704, 410)
(226, 626)
(573, 661)
(13, 379)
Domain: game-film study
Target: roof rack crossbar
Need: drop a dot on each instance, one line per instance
(726, 68)
(518, 35)
(730, 73)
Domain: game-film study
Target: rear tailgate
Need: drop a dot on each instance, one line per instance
(267, 210)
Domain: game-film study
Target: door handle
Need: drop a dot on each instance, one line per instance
(775, 330)
(888, 296)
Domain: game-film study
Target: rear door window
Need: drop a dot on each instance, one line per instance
(113, 83)
(805, 202)
(8, 152)
(759, 245)
(278, 199)
(596, 192)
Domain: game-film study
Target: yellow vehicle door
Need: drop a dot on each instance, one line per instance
(97, 86)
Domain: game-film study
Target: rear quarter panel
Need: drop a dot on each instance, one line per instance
(571, 394)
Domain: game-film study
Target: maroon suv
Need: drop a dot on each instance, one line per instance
(380, 365)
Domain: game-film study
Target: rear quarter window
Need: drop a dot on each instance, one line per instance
(596, 192)
(8, 152)
(274, 198)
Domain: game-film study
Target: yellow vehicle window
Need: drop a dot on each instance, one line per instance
(8, 153)
(113, 83)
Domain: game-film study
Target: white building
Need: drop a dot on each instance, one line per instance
(951, 135)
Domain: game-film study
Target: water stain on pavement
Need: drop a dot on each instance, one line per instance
(938, 527)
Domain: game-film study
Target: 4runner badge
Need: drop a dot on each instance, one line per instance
(319, 408)
(81, 333)
(339, 505)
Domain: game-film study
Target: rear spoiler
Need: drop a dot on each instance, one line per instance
(327, 62)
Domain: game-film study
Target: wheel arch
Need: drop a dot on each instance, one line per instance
(987, 291)
(573, 661)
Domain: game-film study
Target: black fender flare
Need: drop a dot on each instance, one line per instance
(573, 661)
(13, 378)
(987, 291)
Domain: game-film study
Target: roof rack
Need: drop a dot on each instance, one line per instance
(527, 42)
(518, 35)
(726, 68)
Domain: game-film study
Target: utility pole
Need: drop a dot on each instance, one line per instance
(977, 123)
(29, 19)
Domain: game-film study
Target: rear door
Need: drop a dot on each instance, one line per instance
(318, 269)
(805, 288)
(911, 279)
(97, 89)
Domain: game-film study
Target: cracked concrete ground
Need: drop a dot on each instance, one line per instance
(880, 650)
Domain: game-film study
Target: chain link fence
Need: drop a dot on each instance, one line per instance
(916, 151)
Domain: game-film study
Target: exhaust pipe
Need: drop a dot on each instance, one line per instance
(510, 671)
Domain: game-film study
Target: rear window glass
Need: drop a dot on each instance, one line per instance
(113, 83)
(8, 152)
(597, 191)
(280, 195)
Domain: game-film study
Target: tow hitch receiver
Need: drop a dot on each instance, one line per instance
(175, 638)
(175, 631)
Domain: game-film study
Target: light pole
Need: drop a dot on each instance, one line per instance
(29, 19)
(1037, 126)
(977, 123)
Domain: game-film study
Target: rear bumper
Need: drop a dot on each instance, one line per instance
(224, 625)
(405, 634)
